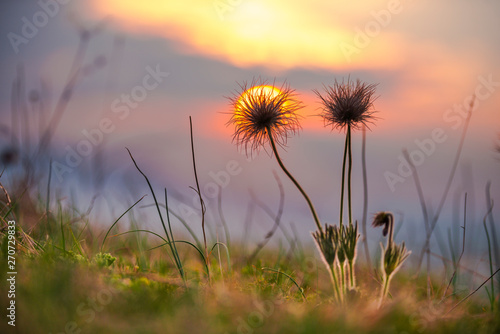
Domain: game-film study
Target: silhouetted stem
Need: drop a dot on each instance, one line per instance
(365, 200)
(313, 211)
(349, 173)
(198, 191)
(391, 231)
(433, 223)
(343, 178)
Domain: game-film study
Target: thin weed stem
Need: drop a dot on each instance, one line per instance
(69, 86)
(473, 292)
(463, 249)
(277, 220)
(117, 220)
(423, 206)
(157, 205)
(183, 222)
(418, 185)
(492, 295)
(301, 290)
(63, 242)
(489, 203)
(198, 191)
(222, 218)
(365, 200)
(47, 204)
(175, 252)
(267, 210)
(313, 210)
(433, 223)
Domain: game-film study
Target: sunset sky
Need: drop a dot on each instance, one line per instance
(427, 57)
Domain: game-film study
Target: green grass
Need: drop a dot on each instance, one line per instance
(65, 284)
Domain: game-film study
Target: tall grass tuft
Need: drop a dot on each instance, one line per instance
(168, 233)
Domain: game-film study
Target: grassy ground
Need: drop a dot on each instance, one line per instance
(65, 285)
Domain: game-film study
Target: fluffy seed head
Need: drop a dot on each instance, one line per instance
(259, 107)
(348, 104)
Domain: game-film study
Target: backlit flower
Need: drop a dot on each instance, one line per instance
(260, 108)
(348, 104)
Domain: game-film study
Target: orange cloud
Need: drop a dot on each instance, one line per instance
(278, 34)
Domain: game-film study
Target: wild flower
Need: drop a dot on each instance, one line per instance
(263, 113)
(341, 255)
(327, 244)
(394, 255)
(347, 106)
(350, 237)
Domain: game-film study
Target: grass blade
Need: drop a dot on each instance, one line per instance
(198, 191)
(492, 296)
(289, 277)
(176, 256)
(117, 220)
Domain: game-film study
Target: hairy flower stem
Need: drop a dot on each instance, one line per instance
(342, 273)
(313, 210)
(385, 290)
(343, 178)
(349, 173)
(335, 282)
(352, 283)
(389, 245)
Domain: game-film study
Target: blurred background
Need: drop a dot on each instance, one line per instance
(80, 81)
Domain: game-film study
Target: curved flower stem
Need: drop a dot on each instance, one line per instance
(313, 211)
(349, 173)
(343, 178)
(391, 231)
